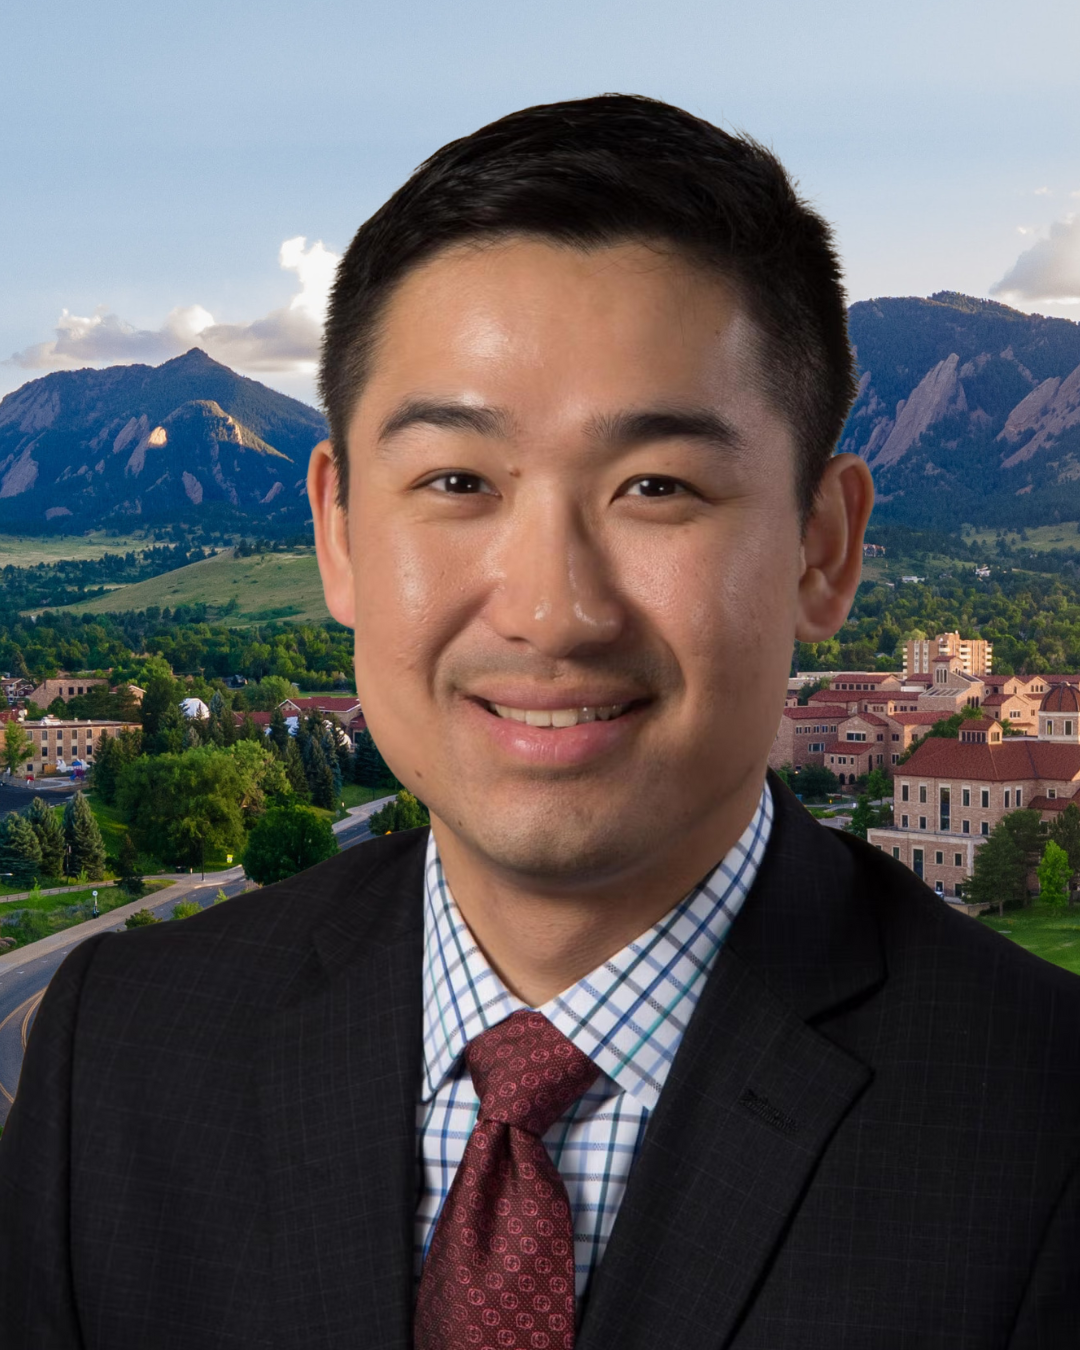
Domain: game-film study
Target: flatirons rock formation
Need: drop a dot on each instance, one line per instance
(145, 443)
(967, 411)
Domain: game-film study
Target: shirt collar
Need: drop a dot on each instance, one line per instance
(628, 1014)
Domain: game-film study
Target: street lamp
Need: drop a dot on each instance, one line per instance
(95, 912)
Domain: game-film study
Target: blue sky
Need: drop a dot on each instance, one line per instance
(156, 158)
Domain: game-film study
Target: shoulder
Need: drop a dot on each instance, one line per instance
(255, 943)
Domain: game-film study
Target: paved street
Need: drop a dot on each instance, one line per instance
(15, 796)
(26, 972)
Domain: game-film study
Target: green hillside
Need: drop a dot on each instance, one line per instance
(266, 586)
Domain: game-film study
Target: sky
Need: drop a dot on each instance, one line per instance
(183, 174)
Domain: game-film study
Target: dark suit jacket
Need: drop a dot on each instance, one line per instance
(869, 1137)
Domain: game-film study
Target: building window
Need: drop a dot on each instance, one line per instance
(895, 758)
(939, 858)
(939, 887)
(965, 827)
(958, 860)
(917, 861)
(1019, 795)
(985, 797)
(965, 796)
(1051, 792)
(1049, 728)
(1068, 728)
(903, 822)
(944, 794)
(922, 792)
(896, 852)
(922, 822)
(986, 827)
(903, 792)
(1007, 795)
(896, 735)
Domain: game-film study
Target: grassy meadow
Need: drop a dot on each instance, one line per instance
(265, 586)
(1053, 934)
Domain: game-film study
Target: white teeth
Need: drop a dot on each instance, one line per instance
(559, 717)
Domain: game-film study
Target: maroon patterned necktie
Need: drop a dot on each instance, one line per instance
(499, 1273)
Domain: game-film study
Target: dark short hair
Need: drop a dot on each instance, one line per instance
(595, 172)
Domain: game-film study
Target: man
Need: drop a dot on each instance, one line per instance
(626, 1050)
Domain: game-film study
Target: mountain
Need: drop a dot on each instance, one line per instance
(136, 444)
(968, 411)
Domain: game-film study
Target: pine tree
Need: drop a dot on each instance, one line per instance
(50, 836)
(128, 867)
(999, 876)
(369, 767)
(279, 733)
(294, 771)
(320, 776)
(20, 852)
(85, 846)
(863, 817)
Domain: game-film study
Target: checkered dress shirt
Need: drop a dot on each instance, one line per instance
(628, 1016)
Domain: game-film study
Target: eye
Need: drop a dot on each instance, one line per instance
(458, 483)
(659, 486)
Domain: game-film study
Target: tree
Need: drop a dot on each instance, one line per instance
(1054, 873)
(878, 785)
(294, 772)
(183, 807)
(811, 687)
(112, 753)
(20, 852)
(1029, 832)
(1065, 832)
(128, 867)
(369, 767)
(186, 909)
(16, 746)
(285, 841)
(863, 817)
(163, 722)
(405, 812)
(50, 836)
(279, 733)
(85, 848)
(816, 780)
(320, 776)
(140, 919)
(999, 876)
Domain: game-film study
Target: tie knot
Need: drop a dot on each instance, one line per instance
(526, 1073)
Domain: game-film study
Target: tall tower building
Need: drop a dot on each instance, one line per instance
(975, 654)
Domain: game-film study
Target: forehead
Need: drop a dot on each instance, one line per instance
(546, 326)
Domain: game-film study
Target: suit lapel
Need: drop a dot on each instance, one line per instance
(752, 1100)
(338, 1087)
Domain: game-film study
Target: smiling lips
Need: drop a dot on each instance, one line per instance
(558, 717)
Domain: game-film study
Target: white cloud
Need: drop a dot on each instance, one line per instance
(1049, 270)
(285, 340)
(1042, 192)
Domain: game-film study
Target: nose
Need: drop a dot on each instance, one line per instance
(557, 590)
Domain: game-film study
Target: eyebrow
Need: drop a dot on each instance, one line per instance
(618, 431)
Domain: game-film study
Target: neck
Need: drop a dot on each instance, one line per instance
(539, 943)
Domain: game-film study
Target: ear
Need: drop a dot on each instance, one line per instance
(331, 535)
(832, 547)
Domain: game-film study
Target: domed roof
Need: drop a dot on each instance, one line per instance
(1061, 698)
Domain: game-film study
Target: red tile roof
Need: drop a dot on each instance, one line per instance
(818, 710)
(916, 719)
(866, 677)
(995, 700)
(1015, 758)
(839, 696)
(1041, 803)
(849, 747)
(326, 703)
(873, 719)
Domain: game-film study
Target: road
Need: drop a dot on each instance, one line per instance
(25, 973)
(17, 797)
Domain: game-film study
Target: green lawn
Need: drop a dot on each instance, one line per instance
(266, 586)
(1053, 934)
(30, 920)
(28, 550)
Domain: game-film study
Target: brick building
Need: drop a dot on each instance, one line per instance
(56, 743)
(951, 793)
(803, 734)
(974, 654)
(65, 687)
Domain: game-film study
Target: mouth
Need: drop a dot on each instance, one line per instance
(558, 718)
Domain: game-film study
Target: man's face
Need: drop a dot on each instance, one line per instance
(533, 563)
